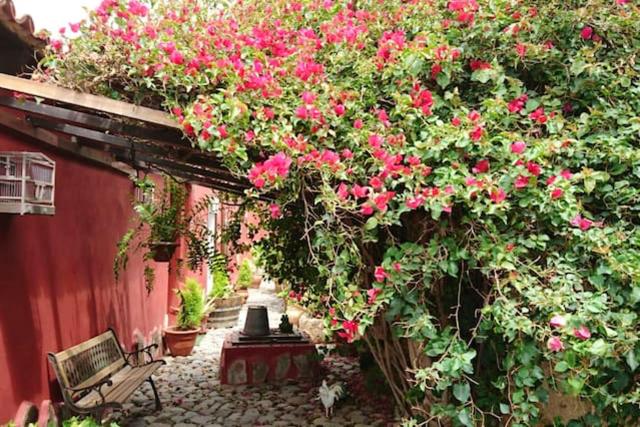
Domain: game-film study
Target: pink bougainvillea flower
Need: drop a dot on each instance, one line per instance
(308, 97)
(358, 124)
(359, 191)
(498, 195)
(518, 147)
(566, 174)
(477, 64)
(534, 168)
(366, 209)
(521, 181)
(339, 109)
(586, 33)
(558, 321)
(474, 116)
(302, 112)
(521, 49)
(556, 193)
(376, 183)
(481, 167)
(343, 191)
(555, 344)
(397, 267)
(422, 99)
(380, 274)
(583, 223)
(582, 333)
(415, 202)
(383, 117)
(538, 115)
(136, 8)
(382, 200)
(346, 154)
(476, 133)
(350, 332)
(516, 105)
(275, 211)
(75, 27)
(373, 295)
(176, 57)
(375, 140)
(56, 44)
(456, 121)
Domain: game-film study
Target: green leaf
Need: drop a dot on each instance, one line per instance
(504, 408)
(561, 366)
(371, 223)
(462, 391)
(465, 418)
(599, 347)
(443, 79)
(632, 361)
(482, 76)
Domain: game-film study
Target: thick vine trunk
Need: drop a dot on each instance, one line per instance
(398, 359)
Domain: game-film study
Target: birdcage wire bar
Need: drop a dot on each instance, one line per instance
(27, 183)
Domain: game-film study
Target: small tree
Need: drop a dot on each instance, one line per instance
(192, 305)
(245, 275)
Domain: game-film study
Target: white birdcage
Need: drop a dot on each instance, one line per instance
(27, 183)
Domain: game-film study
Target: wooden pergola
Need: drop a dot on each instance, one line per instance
(110, 132)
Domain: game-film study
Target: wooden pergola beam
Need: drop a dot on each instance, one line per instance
(56, 141)
(169, 136)
(138, 149)
(84, 100)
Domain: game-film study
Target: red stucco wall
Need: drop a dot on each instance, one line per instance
(56, 280)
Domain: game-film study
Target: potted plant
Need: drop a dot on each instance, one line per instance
(162, 219)
(245, 278)
(224, 304)
(182, 337)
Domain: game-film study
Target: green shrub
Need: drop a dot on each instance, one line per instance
(221, 283)
(245, 275)
(192, 305)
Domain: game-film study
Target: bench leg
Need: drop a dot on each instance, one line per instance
(155, 393)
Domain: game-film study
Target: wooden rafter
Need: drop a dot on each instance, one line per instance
(84, 100)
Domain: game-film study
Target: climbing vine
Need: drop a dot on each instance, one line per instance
(457, 182)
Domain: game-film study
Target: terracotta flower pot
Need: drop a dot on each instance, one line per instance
(180, 342)
(162, 251)
(256, 281)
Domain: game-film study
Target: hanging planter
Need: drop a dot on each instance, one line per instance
(162, 251)
(162, 219)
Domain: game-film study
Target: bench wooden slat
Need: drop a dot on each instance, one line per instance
(125, 383)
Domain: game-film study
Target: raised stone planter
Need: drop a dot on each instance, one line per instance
(260, 363)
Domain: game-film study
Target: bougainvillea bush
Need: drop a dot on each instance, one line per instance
(456, 182)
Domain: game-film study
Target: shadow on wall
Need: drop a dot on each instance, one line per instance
(20, 326)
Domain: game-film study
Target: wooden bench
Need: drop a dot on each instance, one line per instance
(97, 374)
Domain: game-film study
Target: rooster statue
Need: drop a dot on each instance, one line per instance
(330, 395)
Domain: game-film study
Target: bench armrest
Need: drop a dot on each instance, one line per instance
(146, 350)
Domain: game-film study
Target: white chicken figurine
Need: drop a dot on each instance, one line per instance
(330, 395)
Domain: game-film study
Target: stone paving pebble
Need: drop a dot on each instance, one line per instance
(193, 396)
